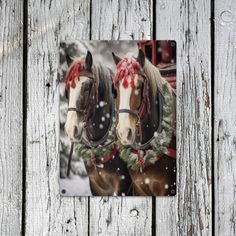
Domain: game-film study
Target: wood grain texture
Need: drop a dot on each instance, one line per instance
(189, 213)
(11, 117)
(131, 215)
(113, 20)
(225, 118)
(47, 213)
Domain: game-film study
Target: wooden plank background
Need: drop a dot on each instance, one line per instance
(30, 31)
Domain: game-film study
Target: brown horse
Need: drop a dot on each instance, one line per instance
(90, 121)
(146, 125)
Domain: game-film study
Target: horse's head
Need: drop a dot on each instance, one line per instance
(79, 89)
(130, 85)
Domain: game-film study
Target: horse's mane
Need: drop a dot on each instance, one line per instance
(104, 80)
(154, 75)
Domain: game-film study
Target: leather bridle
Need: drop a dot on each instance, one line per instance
(143, 109)
(85, 111)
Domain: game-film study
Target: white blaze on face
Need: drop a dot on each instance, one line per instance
(72, 120)
(124, 126)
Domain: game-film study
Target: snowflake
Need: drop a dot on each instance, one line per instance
(123, 194)
(102, 103)
(122, 177)
(103, 118)
(118, 169)
(166, 186)
(108, 115)
(155, 134)
(101, 126)
(147, 181)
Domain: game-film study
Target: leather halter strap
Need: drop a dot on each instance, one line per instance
(76, 110)
(141, 111)
(128, 111)
(91, 76)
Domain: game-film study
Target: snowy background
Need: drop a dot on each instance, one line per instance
(78, 183)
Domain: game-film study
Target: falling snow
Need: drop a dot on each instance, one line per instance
(122, 177)
(155, 134)
(102, 103)
(166, 186)
(103, 118)
(101, 126)
(108, 115)
(147, 181)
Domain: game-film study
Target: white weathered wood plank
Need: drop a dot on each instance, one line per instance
(47, 213)
(189, 213)
(116, 215)
(11, 117)
(225, 118)
(121, 19)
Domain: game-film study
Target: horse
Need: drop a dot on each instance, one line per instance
(90, 125)
(146, 120)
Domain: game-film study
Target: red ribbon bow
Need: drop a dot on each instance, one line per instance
(72, 74)
(125, 67)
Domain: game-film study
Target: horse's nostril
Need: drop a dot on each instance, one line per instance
(129, 135)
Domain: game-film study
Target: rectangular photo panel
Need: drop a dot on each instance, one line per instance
(117, 118)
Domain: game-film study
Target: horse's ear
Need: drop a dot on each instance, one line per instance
(89, 61)
(116, 58)
(141, 57)
(69, 60)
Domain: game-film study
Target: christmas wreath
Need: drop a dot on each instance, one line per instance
(138, 160)
(95, 155)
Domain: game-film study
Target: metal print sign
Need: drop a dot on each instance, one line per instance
(118, 118)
